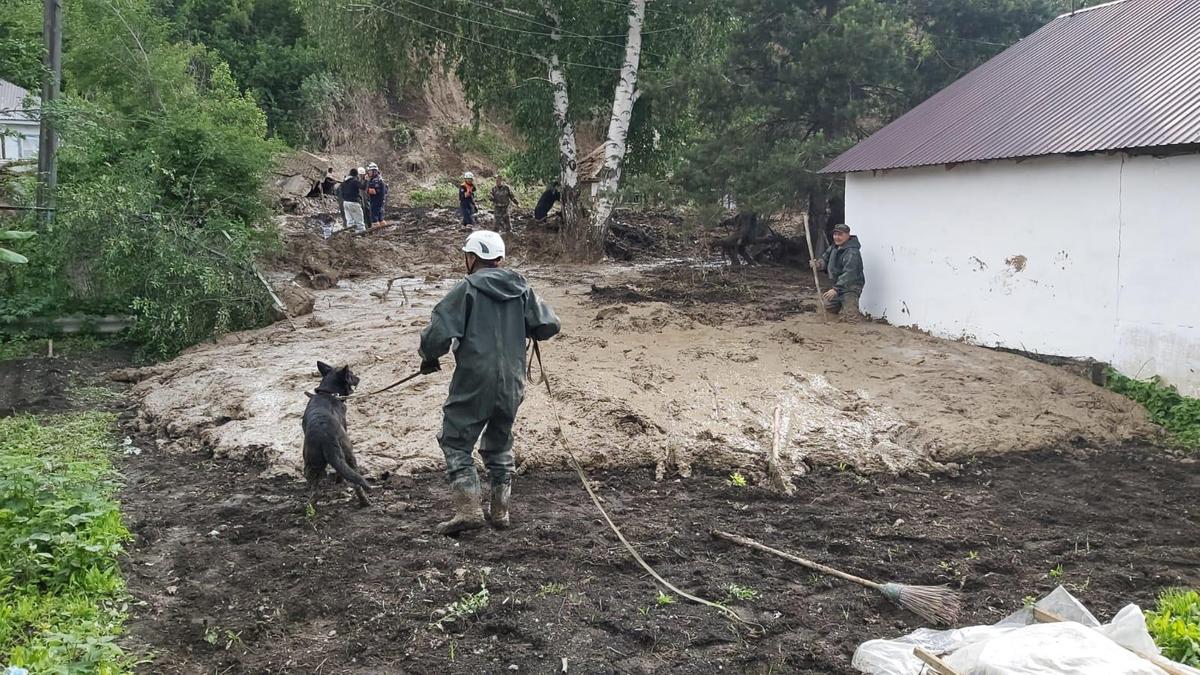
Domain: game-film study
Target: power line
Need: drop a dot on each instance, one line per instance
(507, 28)
(521, 17)
(485, 44)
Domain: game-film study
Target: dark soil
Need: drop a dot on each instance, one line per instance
(230, 574)
(40, 384)
(719, 295)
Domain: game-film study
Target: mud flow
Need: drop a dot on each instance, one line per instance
(915, 459)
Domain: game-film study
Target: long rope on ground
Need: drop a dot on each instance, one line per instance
(562, 435)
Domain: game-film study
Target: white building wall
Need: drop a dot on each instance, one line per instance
(19, 139)
(1041, 255)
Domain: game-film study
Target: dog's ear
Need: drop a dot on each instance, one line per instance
(348, 376)
(323, 368)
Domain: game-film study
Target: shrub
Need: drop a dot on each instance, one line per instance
(1178, 414)
(1175, 625)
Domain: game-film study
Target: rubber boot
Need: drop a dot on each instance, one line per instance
(501, 496)
(467, 513)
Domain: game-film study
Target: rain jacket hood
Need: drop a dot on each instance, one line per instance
(498, 283)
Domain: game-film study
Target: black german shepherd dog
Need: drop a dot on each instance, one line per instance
(325, 440)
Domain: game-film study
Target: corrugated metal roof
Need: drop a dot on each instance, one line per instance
(11, 97)
(1116, 76)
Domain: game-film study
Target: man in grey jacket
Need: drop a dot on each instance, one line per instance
(843, 262)
(491, 314)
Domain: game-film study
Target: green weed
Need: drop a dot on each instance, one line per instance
(1029, 600)
(1175, 625)
(736, 479)
(737, 592)
(1178, 414)
(467, 605)
(61, 591)
(553, 588)
(1057, 571)
(664, 599)
(972, 555)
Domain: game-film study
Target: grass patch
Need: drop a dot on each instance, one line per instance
(441, 194)
(1175, 625)
(481, 142)
(24, 346)
(1178, 414)
(62, 598)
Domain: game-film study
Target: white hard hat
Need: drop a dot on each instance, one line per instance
(469, 176)
(485, 244)
(361, 170)
(372, 165)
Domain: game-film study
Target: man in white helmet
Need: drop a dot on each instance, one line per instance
(491, 313)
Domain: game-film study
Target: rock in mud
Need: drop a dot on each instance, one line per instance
(298, 301)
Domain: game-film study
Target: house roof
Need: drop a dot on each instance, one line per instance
(11, 97)
(1117, 76)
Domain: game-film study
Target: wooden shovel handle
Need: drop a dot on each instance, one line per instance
(824, 569)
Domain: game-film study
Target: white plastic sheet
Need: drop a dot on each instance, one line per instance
(1019, 645)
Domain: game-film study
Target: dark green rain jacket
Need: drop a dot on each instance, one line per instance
(845, 266)
(490, 313)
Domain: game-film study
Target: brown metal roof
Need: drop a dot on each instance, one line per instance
(1116, 76)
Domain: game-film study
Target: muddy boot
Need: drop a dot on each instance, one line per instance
(501, 496)
(467, 513)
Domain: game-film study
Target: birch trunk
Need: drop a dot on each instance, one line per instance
(624, 97)
(572, 211)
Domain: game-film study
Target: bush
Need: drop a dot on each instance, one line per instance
(61, 591)
(1178, 414)
(160, 208)
(1175, 625)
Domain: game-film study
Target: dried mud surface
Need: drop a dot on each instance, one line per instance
(229, 574)
(672, 365)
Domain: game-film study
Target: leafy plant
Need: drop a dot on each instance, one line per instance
(13, 257)
(737, 592)
(61, 592)
(736, 479)
(1178, 414)
(664, 599)
(1056, 572)
(467, 605)
(1175, 625)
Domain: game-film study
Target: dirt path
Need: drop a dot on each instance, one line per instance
(229, 575)
(668, 365)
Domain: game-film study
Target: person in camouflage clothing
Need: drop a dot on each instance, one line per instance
(490, 314)
(502, 197)
(843, 262)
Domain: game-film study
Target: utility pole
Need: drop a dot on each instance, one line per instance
(52, 80)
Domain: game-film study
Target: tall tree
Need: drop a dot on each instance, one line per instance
(803, 80)
(555, 69)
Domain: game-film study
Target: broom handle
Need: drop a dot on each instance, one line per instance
(750, 543)
(816, 277)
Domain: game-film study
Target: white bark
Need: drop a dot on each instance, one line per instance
(624, 97)
(567, 155)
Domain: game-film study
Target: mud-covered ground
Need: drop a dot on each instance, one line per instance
(667, 363)
(229, 573)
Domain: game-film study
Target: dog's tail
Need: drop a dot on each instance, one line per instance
(337, 459)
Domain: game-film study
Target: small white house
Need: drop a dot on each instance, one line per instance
(18, 129)
(1049, 200)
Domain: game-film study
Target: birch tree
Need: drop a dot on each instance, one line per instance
(624, 98)
(558, 71)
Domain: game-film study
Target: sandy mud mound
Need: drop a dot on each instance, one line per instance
(638, 383)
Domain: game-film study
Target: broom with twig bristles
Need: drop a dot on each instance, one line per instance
(939, 604)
